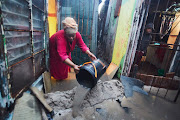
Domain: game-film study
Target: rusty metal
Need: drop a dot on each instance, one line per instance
(19, 30)
(45, 45)
(19, 62)
(22, 76)
(39, 64)
(39, 52)
(31, 33)
(14, 71)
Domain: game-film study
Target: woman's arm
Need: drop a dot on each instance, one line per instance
(91, 55)
(71, 64)
(83, 46)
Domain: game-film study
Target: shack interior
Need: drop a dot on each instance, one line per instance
(142, 79)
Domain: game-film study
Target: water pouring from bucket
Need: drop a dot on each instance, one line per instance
(90, 72)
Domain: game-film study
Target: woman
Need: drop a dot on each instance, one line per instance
(62, 44)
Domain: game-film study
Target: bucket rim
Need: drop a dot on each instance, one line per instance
(84, 68)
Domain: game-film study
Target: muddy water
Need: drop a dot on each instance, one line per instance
(80, 94)
(64, 101)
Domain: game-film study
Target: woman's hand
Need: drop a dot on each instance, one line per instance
(71, 64)
(76, 69)
(91, 55)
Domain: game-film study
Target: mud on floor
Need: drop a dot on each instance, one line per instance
(62, 102)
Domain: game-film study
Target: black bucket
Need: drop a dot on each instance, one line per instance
(90, 73)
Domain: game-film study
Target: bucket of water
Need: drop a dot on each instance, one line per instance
(90, 73)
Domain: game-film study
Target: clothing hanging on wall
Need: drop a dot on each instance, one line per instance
(166, 25)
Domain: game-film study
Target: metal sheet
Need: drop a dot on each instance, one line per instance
(39, 3)
(39, 63)
(18, 46)
(15, 14)
(38, 40)
(38, 21)
(82, 12)
(21, 76)
(108, 33)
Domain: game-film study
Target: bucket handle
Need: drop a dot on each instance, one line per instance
(93, 66)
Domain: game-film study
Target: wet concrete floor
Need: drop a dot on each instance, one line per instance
(64, 85)
(139, 107)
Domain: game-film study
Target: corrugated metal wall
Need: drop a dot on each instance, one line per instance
(107, 30)
(83, 11)
(23, 33)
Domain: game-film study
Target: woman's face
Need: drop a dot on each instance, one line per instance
(148, 30)
(70, 37)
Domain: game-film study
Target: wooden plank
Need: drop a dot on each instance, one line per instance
(174, 30)
(47, 81)
(111, 70)
(40, 96)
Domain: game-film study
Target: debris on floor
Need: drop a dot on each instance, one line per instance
(62, 102)
(40, 96)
